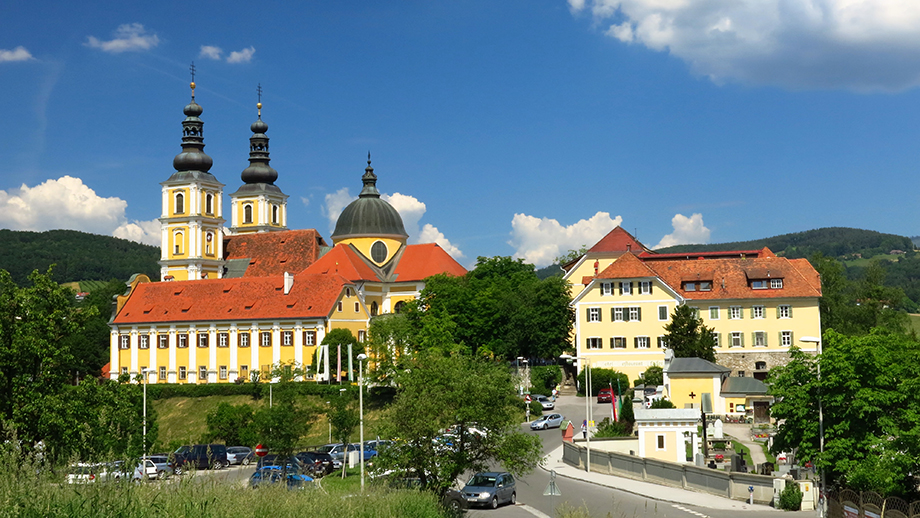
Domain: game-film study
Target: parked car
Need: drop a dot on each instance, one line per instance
(605, 395)
(451, 499)
(338, 451)
(325, 459)
(274, 475)
(377, 445)
(293, 464)
(84, 473)
(144, 470)
(239, 455)
(546, 402)
(316, 464)
(162, 463)
(547, 421)
(491, 489)
(369, 453)
(199, 456)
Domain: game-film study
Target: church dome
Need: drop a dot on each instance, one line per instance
(369, 216)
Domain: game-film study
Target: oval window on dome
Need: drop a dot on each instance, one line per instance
(379, 251)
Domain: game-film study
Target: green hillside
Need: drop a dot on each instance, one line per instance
(78, 256)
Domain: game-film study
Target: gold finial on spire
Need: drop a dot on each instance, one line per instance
(259, 104)
(192, 85)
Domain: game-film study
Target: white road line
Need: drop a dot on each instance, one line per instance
(682, 508)
(533, 511)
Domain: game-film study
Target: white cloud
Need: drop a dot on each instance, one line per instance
(431, 234)
(410, 210)
(854, 44)
(241, 56)
(18, 54)
(541, 240)
(130, 36)
(147, 232)
(335, 204)
(686, 231)
(305, 201)
(210, 52)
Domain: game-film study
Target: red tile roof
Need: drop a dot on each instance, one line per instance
(652, 256)
(245, 298)
(421, 261)
(618, 240)
(344, 260)
(273, 253)
(625, 267)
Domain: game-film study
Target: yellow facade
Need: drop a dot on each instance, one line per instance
(258, 213)
(364, 244)
(688, 392)
(667, 453)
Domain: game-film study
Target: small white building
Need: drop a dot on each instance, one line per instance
(663, 432)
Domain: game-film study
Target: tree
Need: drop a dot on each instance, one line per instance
(474, 398)
(571, 255)
(338, 337)
(390, 343)
(281, 425)
(652, 377)
(343, 416)
(603, 378)
(662, 403)
(686, 335)
(232, 424)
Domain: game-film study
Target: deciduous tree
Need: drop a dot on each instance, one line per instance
(686, 335)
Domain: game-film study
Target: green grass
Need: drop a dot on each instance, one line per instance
(766, 451)
(865, 262)
(745, 452)
(915, 322)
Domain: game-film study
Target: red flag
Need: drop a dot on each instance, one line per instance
(613, 401)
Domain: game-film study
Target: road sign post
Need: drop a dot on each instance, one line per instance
(261, 450)
(552, 490)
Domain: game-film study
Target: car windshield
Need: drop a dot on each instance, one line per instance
(481, 480)
(182, 449)
(326, 449)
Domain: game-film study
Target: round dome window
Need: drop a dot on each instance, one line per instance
(379, 252)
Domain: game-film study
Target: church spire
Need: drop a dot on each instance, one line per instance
(259, 171)
(370, 181)
(192, 158)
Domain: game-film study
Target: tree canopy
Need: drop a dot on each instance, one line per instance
(686, 335)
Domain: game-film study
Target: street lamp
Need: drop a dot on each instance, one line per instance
(361, 358)
(520, 376)
(817, 342)
(144, 373)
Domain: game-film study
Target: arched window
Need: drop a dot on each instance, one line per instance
(178, 242)
(399, 306)
(208, 204)
(374, 308)
(247, 214)
(180, 203)
(274, 214)
(209, 243)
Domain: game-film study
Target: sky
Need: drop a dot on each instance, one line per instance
(521, 128)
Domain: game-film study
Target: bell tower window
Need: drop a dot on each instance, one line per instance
(274, 214)
(180, 203)
(209, 204)
(178, 241)
(247, 213)
(209, 243)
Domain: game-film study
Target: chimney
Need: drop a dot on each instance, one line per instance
(288, 282)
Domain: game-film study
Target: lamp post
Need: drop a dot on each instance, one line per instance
(817, 342)
(520, 376)
(144, 373)
(361, 358)
(330, 423)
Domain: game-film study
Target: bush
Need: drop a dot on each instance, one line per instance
(603, 378)
(662, 403)
(545, 378)
(536, 409)
(791, 497)
(257, 390)
(608, 428)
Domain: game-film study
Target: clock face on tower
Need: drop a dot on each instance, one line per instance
(210, 236)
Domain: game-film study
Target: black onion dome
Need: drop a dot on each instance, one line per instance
(369, 215)
(192, 157)
(259, 171)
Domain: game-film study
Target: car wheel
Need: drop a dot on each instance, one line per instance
(162, 474)
(545, 426)
(246, 461)
(495, 502)
(454, 507)
(513, 498)
(179, 470)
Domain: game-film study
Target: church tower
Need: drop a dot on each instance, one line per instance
(259, 205)
(191, 222)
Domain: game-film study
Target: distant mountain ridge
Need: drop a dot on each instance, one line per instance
(78, 256)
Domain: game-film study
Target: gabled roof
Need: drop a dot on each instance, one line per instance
(743, 386)
(652, 256)
(694, 366)
(421, 261)
(627, 266)
(346, 261)
(618, 240)
(272, 253)
(256, 298)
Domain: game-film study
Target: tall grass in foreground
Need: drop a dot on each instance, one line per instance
(28, 489)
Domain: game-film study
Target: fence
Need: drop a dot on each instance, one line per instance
(866, 504)
(704, 480)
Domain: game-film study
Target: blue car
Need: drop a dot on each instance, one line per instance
(270, 475)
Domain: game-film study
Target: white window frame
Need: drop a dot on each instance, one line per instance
(202, 372)
(759, 284)
(594, 314)
(606, 289)
(705, 286)
(785, 338)
(223, 372)
(665, 308)
(784, 311)
(626, 288)
(740, 339)
(762, 336)
(124, 370)
(223, 339)
(124, 341)
(162, 373)
(618, 314)
(203, 340)
(143, 342)
(362, 334)
(618, 342)
(643, 342)
(594, 343)
(243, 339)
(776, 284)
(713, 310)
(183, 373)
(662, 342)
(287, 338)
(163, 341)
(645, 287)
(634, 314)
(265, 338)
(735, 313)
(309, 337)
(716, 339)
(182, 340)
(758, 312)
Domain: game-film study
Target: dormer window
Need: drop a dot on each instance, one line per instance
(180, 203)
(776, 284)
(759, 284)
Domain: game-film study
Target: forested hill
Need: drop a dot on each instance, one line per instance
(832, 242)
(79, 256)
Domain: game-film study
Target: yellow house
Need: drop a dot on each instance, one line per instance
(689, 382)
(664, 433)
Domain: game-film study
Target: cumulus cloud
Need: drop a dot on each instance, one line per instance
(210, 52)
(147, 232)
(305, 201)
(541, 240)
(241, 56)
(431, 234)
(128, 37)
(18, 54)
(686, 231)
(410, 209)
(858, 45)
(335, 204)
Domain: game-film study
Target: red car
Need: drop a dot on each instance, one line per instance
(605, 395)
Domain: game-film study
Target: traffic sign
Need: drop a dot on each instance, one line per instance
(552, 489)
(527, 398)
(261, 451)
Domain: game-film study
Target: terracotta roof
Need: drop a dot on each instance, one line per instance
(618, 240)
(808, 272)
(627, 266)
(255, 298)
(645, 256)
(421, 261)
(346, 261)
(273, 253)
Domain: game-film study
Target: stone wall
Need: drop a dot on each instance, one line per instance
(747, 361)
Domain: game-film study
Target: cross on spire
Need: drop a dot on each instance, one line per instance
(259, 90)
(191, 69)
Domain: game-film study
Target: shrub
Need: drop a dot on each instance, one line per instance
(608, 428)
(791, 497)
(536, 409)
(662, 403)
(545, 377)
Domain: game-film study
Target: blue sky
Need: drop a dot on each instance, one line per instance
(520, 127)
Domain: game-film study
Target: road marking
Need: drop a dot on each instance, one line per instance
(682, 508)
(533, 511)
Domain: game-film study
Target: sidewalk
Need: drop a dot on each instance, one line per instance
(553, 461)
(742, 434)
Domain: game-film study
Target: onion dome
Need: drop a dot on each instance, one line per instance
(259, 171)
(192, 158)
(369, 215)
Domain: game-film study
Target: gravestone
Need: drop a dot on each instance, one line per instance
(717, 430)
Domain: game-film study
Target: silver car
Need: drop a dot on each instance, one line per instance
(491, 489)
(547, 421)
(546, 402)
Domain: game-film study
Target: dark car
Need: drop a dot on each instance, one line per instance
(490, 489)
(317, 464)
(270, 475)
(199, 456)
(452, 499)
(325, 459)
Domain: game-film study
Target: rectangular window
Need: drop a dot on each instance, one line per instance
(243, 339)
(618, 342)
(760, 339)
(244, 371)
(182, 339)
(223, 372)
(266, 372)
(625, 288)
(144, 342)
(642, 342)
(606, 288)
(689, 286)
(309, 337)
(223, 339)
(357, 307)
(734, 312)
(716, 337)
(695, 312)
(784, 311)
(662, 342)
(124, 341)
(202, 339)
(287, 338)
(594, 343)
(616, 314)
(785, 338)
(776, 284)
(163, 341)
(162, 372)
(183, 373)
(635, 314)
(737, 339)
(265, 339)
(645, 288)
(594, 314)
(202, 373)
(339, 306)
(740, 374)
(361, 335)
(757, 311)
(705, 286)
(713, 312)
(662, 313)
(759, 285)
(124, 370)
(660, 442)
